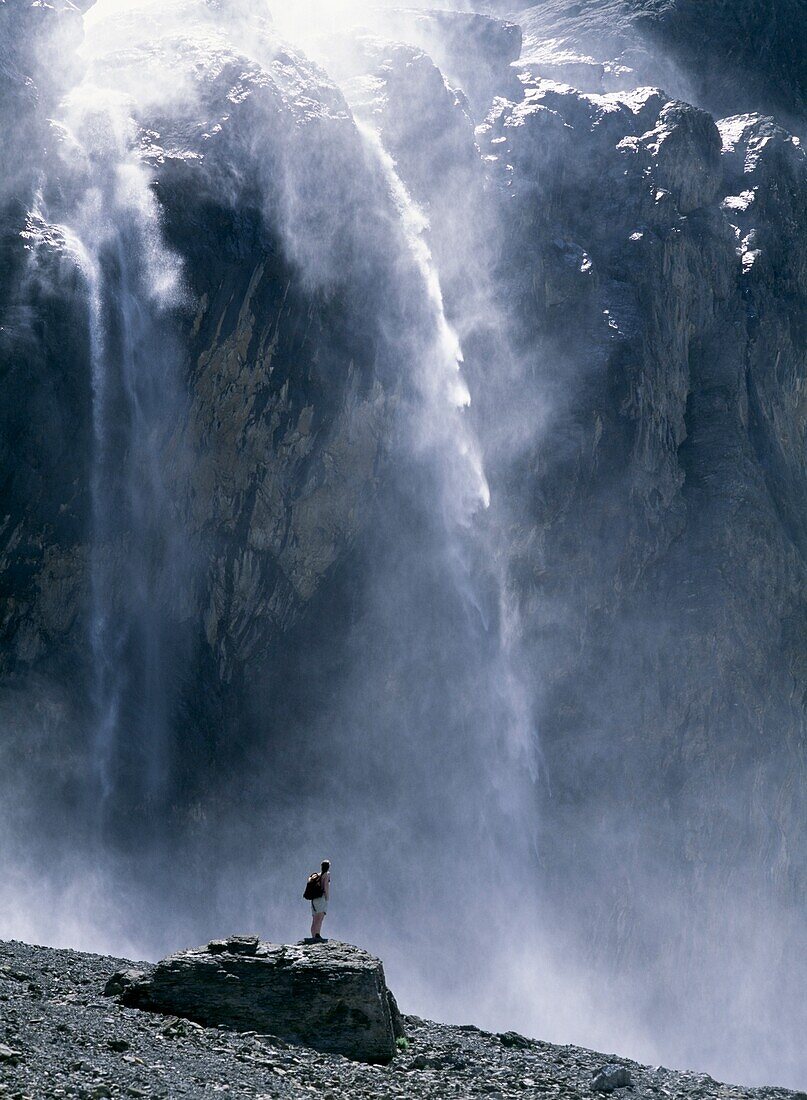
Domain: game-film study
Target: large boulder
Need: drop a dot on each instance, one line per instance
(332, 997)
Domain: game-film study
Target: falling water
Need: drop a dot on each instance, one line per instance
(441, 429)
(428, 691)
(443, 434)
(132, 281)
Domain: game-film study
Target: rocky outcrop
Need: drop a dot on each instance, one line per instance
(726, 56)
(473, 51)
(610, 1078)
(332, 996)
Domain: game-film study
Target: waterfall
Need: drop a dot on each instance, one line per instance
(381, 701)
(136, 548)
(442, 429)
(444, 437)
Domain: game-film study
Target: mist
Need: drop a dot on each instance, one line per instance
(394, 479)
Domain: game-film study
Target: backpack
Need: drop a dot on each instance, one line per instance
(313, 888)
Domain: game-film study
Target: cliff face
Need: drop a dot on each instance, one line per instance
(725, 56)
(668, 508)
(274, 360)
(246, 559)
(663, 564)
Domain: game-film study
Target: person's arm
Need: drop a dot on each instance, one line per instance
(326, 885)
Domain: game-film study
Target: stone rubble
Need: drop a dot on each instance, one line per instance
(60, 1037)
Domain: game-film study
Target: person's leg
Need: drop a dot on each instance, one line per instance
(316, 924)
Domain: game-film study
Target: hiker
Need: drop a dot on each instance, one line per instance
(317, 890)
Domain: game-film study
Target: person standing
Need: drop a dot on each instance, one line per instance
(319, 905)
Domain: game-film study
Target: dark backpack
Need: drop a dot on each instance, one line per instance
(313, 888)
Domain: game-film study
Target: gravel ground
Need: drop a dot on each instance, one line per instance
(60, 1037)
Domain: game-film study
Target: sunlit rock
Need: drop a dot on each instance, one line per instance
(332, 997)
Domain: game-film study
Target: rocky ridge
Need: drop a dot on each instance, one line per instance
(60, 1037)
(726, 55)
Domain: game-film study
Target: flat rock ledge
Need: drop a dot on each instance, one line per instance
(331, 996)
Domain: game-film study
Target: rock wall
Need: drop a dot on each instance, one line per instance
(727, 57)
(662, 571)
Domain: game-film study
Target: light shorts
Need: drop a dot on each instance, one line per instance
(320, 905)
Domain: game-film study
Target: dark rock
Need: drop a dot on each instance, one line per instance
(686, 150)
(664, 517)
(725, 379)
(727, 55)
(333, 998)
(610, 1077)
(514, 1040)
(9, 1056)
(241, 945)
(453, 1061)
(398, 1029)
(122, 980)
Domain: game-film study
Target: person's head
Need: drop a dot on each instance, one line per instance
(326, 865)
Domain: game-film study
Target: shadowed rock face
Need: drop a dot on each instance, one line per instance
(286, 371)
(683, 448)
(331, 997)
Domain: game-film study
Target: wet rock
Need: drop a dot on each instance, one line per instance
(425, 124)
(664, 285)
(690, 267)
(333, 998)
(725, 55)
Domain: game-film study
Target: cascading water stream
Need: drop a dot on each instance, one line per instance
(443, 434)
(425, 724)
(135, 543)
(441, 428)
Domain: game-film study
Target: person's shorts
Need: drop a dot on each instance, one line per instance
(320, 905)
